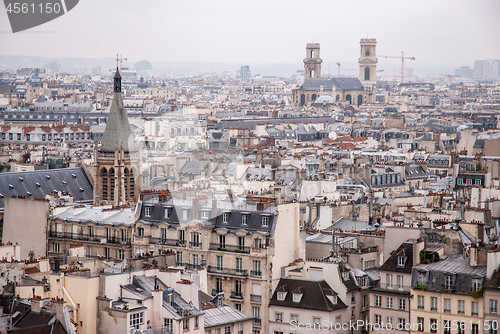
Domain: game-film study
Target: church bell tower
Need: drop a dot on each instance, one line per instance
(312, 62)
(117, 179)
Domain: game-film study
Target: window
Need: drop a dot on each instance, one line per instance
(434, 303)
(420, 324)
(237, 306)
(136, 319)
(388, 280)
(378, 319)
(389, 302)
(421, 278)
(446, 327)
(140, 231)
(460, 181)
(222, 241)
(106, 252)
(477, 283)
(469, 182)
(257, 243)
(123, 234)
(168, 324)
(163, 232)
(239, 264)
(401, 323)
(167, 212)
(121, 254)
(493, 305)
(296, 297)
(461, 327)
(369, 264)
(227, 330)
(401, 261)
(225, 217)
(400, 282)
(420, 302)
(279, 316)
(147, 211)
(447, 305)
(402, 303)
(220, 263)
(185, 214)
(389, 322)
(378, 301)
(474, 309)
(281, 295)
(195, 259)
(265, 220)
(474, 329)
(461, 307)
(448, 282)
(218, 284)
(56, 247)
(178, 258)
(294, 318)
(478, 182)
(204, 214)
(237, 287)
(433, 325)
(244, 219)
(195, 239)
(185, 324)
(181, 236)
(316, 320)
(256, 312)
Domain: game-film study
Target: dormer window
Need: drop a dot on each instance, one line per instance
(297, 297)
(477, 283)
(281, 295)
(147, 211)
(345, 276)
(401, 261)
(265, 220)
(244, 219)
(167, 212)
(332, 299)
(225, 217)
(204, 214)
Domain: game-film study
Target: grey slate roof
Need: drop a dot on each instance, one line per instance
(117, 128)
(224, 315)
(42, 182)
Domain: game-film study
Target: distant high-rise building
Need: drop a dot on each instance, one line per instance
(96, 70)
(487, 69)
(245, 72)
(465, 72)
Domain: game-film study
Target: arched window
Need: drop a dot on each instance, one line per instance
(367, 73)
(367, 51)
(302, 99)
(337, 97)
(360, 99)
(313, 97)
(348, 98)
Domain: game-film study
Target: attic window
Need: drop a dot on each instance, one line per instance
(345, 276)
(332, 299)
(401, 261)
(297, 297)
(281, 295)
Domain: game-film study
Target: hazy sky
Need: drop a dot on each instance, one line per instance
(434, 31)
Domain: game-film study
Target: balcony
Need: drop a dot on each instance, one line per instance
(256, 298)
(193, 244)
(256, 273)
(401, 289)
(167, 242)
(89, 237)
(227, 271)
(236, 295)
(257, 322)
(189, 266)
(229, 248)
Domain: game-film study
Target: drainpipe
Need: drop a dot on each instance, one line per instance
(70, 300)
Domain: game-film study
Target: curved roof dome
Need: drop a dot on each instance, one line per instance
(325, 98)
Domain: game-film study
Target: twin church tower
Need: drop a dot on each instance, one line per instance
(354, 91)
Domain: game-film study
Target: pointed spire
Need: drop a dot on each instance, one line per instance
(117, 81)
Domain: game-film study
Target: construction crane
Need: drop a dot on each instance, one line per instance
(119, 59)
(351, 69)
(402, 57)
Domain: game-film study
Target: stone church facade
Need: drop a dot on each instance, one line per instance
(354, 91)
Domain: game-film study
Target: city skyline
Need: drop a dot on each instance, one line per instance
(445, 32)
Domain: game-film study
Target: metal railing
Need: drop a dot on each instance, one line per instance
(193, 244)
(227, 271)
(256, 298)
(236, 295)
(189, 266)
(257, 322)
(256, 273)
(89, 237)
(229, 248)
(167, 242)
(393, 287)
